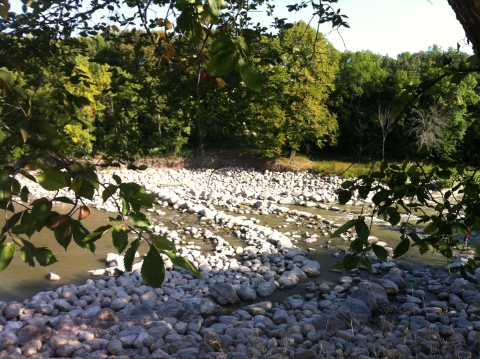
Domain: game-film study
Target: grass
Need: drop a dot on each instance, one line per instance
(327, 167)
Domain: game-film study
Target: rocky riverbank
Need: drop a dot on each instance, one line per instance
(357, 318)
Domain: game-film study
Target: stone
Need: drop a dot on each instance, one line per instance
(265, 289)
(118, 304)
(370, 293)
(224, 293)
(353, 311)
(104, 319)
(31, 333)
(247, 294)
(199, 306)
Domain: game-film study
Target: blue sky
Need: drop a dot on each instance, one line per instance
(388, 27)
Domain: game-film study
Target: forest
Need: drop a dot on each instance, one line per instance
(162, 92)
(81, 81)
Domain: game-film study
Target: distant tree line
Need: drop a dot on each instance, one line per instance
(154, 94)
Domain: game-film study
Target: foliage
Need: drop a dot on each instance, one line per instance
(205, 75)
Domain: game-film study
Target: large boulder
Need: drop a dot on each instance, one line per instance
(396, 276)
(353, 311)
(247, 294)
(370, 293)
(311, 268)
(170, 308)
(265, 289)
(199, 306)
(390, 287)
(292, 277)
(330, 324)
(224, 293)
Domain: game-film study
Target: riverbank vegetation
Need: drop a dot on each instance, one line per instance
(78, 81)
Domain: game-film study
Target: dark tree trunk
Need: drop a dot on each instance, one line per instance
(468, 13)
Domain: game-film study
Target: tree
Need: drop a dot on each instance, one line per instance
(49, 38)
(46, 38)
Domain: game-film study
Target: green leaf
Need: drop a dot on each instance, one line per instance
(163, 243)
(76, 183)
(381, 196)
(356, 245)
(63, 199)
(223, 56)
(11, 222)
(362, 231)
(87, 189)
(153, 268)
(108, 192)
(117, 178)
(130, 254)
(380, 252)
(214, 7)
(337, 267)
(148, 200)
(402, 248)
(345, 227)
(347, 184)
(250, 75)
(366, 263)
(6, 254)
(125, 206)
(79, 232)
(430, 228)
(63, 234)
(350, 262)
(120, 238)
(344, 196)
(45, 256)
(27, 252)
(51, 181)
(40, 213)
(394, 216)
(24, 194)
(139, 219)
(6, 77)
(97, 234)
(183, 263)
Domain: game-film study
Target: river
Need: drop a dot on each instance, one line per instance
(19, 281)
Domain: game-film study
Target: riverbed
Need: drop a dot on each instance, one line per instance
(19, 281)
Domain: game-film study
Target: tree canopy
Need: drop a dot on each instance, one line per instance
(80, 80)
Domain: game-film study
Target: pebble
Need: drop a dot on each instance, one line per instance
(121, 316)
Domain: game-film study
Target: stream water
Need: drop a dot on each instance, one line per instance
(19, 281)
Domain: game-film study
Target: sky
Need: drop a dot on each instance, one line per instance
(387, 27)
(390, 27)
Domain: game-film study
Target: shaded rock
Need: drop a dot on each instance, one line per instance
(68, 324)
(396, 276)
(266, 288)
(31, 333)
(104, 319)
(353, 311)
(170, 308)
(200, 306)
(12, 310)
(330, 324)
(390, 287)
(141, 312)
(247, 294)
(311, 268)
(370, 293)
(224, 293)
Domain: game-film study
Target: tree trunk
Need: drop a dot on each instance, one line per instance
(293, 152)
(468, 13)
